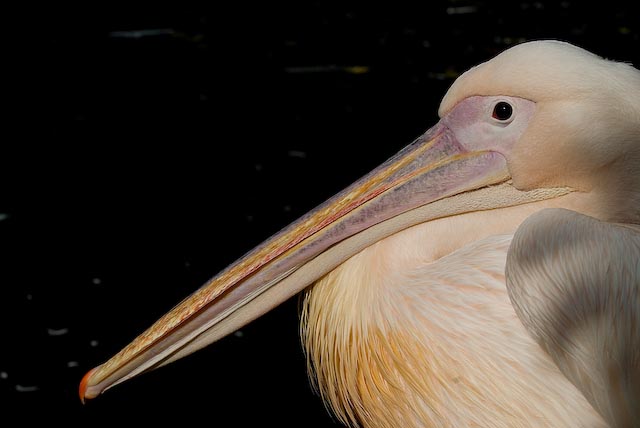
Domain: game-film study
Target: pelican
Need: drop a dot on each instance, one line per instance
(487, 275)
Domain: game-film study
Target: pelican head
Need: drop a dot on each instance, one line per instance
(406, 320)
(586, 117)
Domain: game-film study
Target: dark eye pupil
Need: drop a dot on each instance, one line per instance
(502, 111)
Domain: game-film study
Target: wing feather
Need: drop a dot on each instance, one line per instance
(574, 282)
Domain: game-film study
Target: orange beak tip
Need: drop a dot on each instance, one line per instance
(83, 385)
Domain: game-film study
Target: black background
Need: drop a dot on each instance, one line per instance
(147, 147)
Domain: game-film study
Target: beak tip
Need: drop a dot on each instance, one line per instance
(82, 390)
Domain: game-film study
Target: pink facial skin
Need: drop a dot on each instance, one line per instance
(473, 123)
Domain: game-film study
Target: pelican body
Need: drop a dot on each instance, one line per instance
(487, 275)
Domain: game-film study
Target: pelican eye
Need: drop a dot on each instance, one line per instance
(502, 111)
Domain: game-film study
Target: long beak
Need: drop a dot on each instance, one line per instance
(433, 177)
